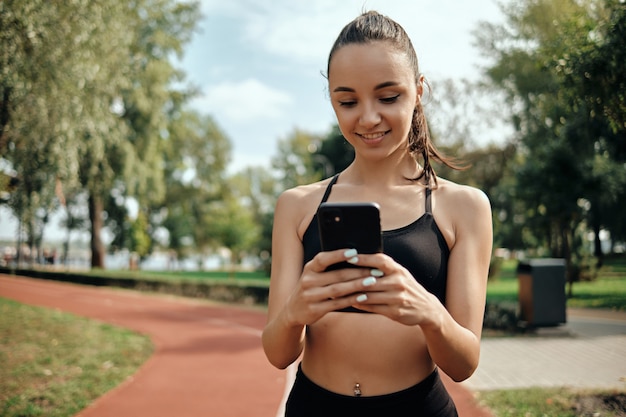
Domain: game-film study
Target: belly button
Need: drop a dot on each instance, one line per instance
(357, 390)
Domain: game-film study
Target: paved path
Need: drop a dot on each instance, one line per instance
(208, 359)
(588, 352)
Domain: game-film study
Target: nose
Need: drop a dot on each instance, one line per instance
(370, 116)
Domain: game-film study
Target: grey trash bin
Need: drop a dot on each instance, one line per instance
(542, 292)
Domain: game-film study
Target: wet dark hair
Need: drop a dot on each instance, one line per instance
(372, 26)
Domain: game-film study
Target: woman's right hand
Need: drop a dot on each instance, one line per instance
(319, 292)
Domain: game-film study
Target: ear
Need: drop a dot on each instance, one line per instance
(420, 89)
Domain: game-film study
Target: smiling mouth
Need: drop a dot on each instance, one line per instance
(373, 136)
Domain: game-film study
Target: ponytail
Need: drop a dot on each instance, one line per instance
(421, 146)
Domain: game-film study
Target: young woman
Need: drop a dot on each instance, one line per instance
(426, 292)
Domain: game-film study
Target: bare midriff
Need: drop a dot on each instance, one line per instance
(381, 356)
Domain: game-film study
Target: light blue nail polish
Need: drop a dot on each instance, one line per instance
(353, 260)
(376, 273)
(361, 298)
(350, 253)
(369, 281)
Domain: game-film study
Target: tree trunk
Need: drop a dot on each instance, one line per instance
(567, 254)
(597, 249)
(95, 215)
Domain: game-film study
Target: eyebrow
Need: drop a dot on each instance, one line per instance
(378, 87)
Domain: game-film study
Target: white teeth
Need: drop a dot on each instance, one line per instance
(372, 135)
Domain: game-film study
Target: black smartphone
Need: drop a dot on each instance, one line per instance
(350, 225)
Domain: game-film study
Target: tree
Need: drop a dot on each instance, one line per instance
(161, 28)
(594, 68)
(594, 77)
(295, 160)
(76, 216)
(196, 156)
(60, 68)
(332, 154)
(256, 189)
(559, 139)
(140, 241)
(86, 89)
(231, 225)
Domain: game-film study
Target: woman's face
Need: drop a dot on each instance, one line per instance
(373, 92)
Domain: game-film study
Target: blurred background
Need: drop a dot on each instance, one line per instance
(157, 134)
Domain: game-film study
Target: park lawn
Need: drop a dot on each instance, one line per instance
(607, 291)
(54, 364)
(229, 277)
(554, 402)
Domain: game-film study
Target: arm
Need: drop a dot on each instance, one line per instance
(453, 334)
(301, 295)
(283, 340)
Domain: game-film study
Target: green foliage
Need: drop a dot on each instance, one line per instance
(140, 241)
(92, 105)
(332, 154)
(295, 161)
(608, 290)
(594, 68)
(258, 189)
(196, 155)
(230, 225)
(569, 174)
(553, 402)
(60, 72)
(85, 86)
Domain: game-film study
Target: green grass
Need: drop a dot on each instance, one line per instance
(54, 364)
(553, 402)
(607, 291)
(238, 277)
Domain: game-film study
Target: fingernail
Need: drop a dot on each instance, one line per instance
(376, 273)
(369, 281)
(361, 298)
(350, 253)
(353, 260)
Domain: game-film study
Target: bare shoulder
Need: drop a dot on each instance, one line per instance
(462, 198)
(300, 203)
(461, 210)
(303, 194)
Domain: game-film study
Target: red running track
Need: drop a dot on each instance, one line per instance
(208, 359)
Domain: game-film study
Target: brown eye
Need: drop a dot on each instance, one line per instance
(389, 100)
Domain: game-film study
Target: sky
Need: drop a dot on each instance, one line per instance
(258, 65)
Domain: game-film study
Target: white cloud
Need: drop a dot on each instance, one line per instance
(286, 43)
(305, 31)
(245, 101)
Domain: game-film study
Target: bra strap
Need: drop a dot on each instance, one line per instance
(428, 203)
(329, 188)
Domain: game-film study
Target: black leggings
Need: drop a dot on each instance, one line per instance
(428, 398)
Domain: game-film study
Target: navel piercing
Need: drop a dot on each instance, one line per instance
(357, 390)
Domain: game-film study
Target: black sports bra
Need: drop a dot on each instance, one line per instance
(419, 247)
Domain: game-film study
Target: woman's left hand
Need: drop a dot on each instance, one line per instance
(397, 294)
